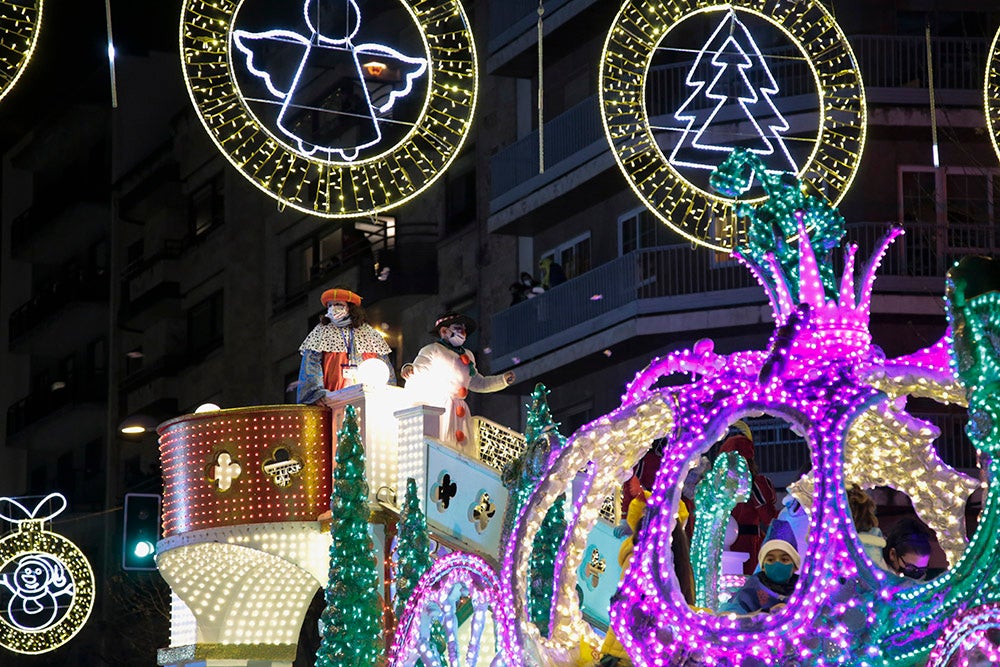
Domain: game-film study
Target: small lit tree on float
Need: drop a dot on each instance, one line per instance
(414, 551)
(352, 620)
(521, 477)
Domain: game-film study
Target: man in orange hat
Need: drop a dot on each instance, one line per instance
(445, 371)
(334, 348)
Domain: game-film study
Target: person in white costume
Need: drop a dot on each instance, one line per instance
(445, 371)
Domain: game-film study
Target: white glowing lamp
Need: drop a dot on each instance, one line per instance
(373, 373)
(207, 407)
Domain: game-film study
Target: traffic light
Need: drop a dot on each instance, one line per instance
(141, 531)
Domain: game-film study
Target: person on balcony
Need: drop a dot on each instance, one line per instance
(336, 346)
(444, 372)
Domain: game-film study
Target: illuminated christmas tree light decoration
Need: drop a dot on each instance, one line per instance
(414, 551)
(20, 25)
(46, 583)
(314, 172)
(730, 45)
(704, 217)
(991, 93)
(352, 627)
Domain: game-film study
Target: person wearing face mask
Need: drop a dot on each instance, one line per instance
(334, 348)
(907, 549)
(445, 371)
(768, 589)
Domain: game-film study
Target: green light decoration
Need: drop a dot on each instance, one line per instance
(414, 551)
(911, 623)
(772, 225)
(718, 492)
(521, 477)
(352, 620)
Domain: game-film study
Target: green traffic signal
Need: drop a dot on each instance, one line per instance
(141, 531)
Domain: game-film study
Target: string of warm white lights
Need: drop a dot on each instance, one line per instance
(326, 180)
(20, 25)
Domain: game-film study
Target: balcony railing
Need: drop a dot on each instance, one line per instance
(81, 284)
(509, 14)
(611, 292)
(886, 62)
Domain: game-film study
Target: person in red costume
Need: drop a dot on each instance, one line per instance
(336, 346)
(755, 515)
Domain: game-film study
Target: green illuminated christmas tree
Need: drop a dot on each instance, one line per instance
(352, 620)
(414, 552)
(521, 477)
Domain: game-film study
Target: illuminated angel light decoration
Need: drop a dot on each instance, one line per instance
(46, 583)
(451, 579)
(20, 24)
(318, 50)
(815, 374)
(362, 172)
(730, 46)
(991, 93)
(706, 218)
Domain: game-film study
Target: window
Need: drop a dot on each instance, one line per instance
(640, 229)
(207, 210)
(573, 256)
(204, 320)
(332, 247)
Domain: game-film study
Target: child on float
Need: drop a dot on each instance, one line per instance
(768, 589)
(866, 525)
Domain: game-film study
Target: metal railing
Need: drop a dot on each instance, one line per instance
(81, 284)
(672, 271)
(885, 62)
(565, 134)
(89, 388)
(505, 15)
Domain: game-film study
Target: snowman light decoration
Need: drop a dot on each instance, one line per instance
(46, 583)
(327, 106)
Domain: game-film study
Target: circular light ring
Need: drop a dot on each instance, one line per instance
(329, 188)
(20, 24)
(31, 539)
(966, 633)
(991, 91)
(628, 53)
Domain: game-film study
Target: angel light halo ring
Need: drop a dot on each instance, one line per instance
(327, 188)
(626, 59)
(22, 24)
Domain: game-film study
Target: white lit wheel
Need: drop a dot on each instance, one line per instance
(377, 176)
(992, 93)
(20, 23)
(432, 617)
(607, 449)
(642, 27)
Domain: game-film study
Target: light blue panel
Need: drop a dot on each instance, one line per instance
(595, 599)
(469, 518)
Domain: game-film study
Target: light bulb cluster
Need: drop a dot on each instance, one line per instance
(192, 446)
(991, 93)
(303, 179)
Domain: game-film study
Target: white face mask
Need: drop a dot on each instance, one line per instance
(337, 312)
(456, 338)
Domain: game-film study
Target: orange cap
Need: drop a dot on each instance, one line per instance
(344, 295)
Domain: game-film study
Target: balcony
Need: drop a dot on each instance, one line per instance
(653, 296)
(522, 199)
(79, 404)
(70, 214)
(150, 289)
(77, 297)
(513, 36)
